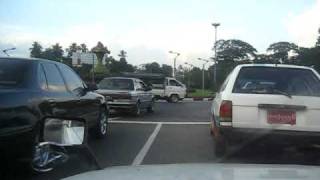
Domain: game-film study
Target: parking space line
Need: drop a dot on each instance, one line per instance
(143, 152)
(114, 118)
(157, 122)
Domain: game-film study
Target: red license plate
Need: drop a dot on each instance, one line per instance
(281, 117)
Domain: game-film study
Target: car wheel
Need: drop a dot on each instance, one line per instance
(174, 98)
(137, 109)
(150, 109)
(46, 158)
(101, 129)
(35, 155)
(220, 146)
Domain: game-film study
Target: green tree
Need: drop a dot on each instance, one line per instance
(310, 57)
(122, 54)
(263, 59)
(318, 40)
(83, 48)
(117, 67)
(123, 61)
(235, 50)
(153, 67)
(54, 53)
(57, 52)
(167, 70)
(195, 78)
(280, 51)
(36, 50)
(85, 72)
(112, 65)
(72, 48)
(230, 53)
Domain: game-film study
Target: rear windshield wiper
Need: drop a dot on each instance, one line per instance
(281, 92)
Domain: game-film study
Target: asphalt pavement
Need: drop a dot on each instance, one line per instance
(174, 133)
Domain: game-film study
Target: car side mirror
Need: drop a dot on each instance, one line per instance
(64, 132)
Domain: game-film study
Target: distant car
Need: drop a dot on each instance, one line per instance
(32, 90)
(129, 94)
(256, 100)
(166, 88)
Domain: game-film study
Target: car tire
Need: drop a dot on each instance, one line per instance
(174, 98)
(30, 165)
(220, 146)
(150, 109)
(137, 109)
(101, 129)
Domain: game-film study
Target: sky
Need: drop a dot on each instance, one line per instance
(147, 30)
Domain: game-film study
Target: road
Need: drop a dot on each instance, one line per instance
(174, 133)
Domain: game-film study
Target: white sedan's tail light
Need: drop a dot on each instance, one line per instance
(226, 111)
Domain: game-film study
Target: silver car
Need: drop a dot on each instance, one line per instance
(128, 94)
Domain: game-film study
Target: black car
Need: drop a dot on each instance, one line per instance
(32, 90)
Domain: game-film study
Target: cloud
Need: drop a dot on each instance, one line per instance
(149, 42)
(22, 36)
(191, 40)
(303, 27)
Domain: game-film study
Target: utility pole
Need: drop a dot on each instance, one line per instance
(175, 60)
(215, 25)
(93, 81)
(203, 66)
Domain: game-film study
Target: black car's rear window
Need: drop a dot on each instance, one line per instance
(116, 84)
(276, 80)
(13, 73)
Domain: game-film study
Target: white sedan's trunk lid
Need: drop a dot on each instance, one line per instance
(252, 111)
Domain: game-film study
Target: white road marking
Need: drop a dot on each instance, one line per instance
(155, 122)
(114, 118)
(139, 158)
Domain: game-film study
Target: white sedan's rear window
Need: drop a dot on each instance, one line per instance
(276, 80)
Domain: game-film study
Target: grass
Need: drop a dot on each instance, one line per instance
(200, 93)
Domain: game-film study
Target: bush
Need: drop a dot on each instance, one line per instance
(191, 90)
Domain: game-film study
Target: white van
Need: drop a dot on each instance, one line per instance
(171, 90)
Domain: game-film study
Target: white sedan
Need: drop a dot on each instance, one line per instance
(264, 99)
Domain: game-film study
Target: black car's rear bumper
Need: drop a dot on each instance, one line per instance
(121, 104)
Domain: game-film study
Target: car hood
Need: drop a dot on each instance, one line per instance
(203, 172)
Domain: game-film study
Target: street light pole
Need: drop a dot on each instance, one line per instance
(216, 25)
(93, 81)
(6, 50)
(203, 66)
(174, 63)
